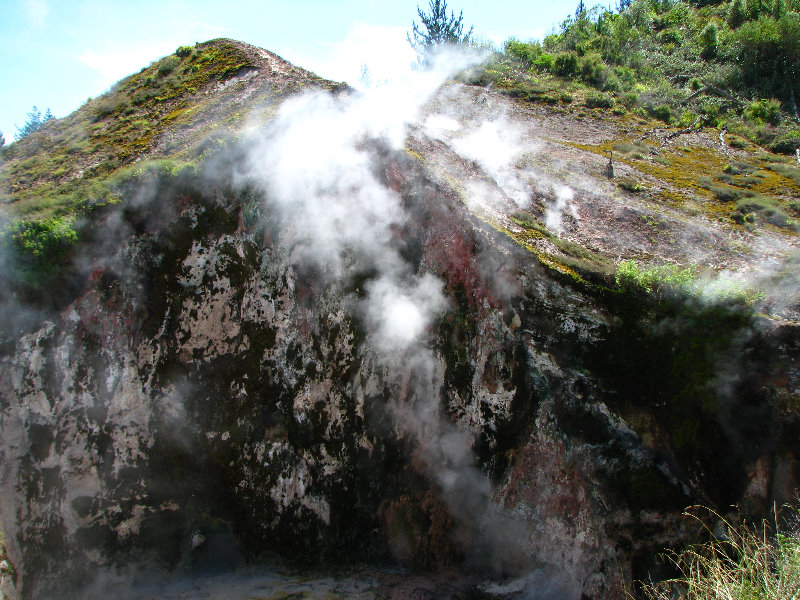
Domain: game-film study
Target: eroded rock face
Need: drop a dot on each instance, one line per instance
(213, 393)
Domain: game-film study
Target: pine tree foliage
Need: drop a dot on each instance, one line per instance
(34, 122)
(437, 29)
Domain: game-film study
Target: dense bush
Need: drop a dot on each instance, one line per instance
(764, 111)
(167, 65)
(786, 144)
(565, 64)
(663, 112)
(736, 64)
(41, 243)
(631, 277)
(709, 41)
(526, 53)
(599, 100)
(768, 51)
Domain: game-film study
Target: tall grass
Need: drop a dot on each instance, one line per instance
(743, 563)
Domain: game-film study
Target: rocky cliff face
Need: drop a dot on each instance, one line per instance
(327, 346)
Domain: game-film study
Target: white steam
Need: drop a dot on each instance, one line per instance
(401, 313)
(317, 166)
(503, 151)
(554, 211)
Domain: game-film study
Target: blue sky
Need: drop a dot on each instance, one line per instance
(58, 53)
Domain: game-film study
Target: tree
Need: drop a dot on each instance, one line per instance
(437, 30)
(737, 14)
(34, 122)
(2, 140)
(709, 40)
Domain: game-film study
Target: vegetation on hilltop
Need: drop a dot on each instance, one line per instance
(437, 29)
(35, 122)
(732, 65)
(157, 122)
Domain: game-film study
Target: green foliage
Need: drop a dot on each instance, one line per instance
(437, 30)
(655, 54)
(630, 185)
(748, 563)
(630, 277)
(736, 14)
(755, 207)
(598, 100)
(43, 243)
(565, 64)
(709, 40)
(545, 62)
(167, 65)
(764, 111)
(768, 51)
(35, 122)
(663, 112)
(788, 143)
(525, 53)
(183, 51)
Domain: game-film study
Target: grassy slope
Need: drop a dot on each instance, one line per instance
(638, 70)
(648, 71)
(166, 118)
(172, 110)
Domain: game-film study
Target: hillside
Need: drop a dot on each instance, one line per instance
(252, 316)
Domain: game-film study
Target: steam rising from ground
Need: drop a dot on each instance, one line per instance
(502, 151)
(316, 168)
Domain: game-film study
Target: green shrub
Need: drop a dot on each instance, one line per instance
(709, 40)
(592, 69)
(630, 185)
(545, 62)
(736, 14)
(765, 209)
(42, 243)
(183, 51)
(671, 36)
(662, 112)
(786, 144)
(630, 99)
(527, 220)
(565, 64)
(167, 65)
(630, 277)
(526, 53)
(109, 106)
(626, 76)
(768, 51)
(764, 111)
(598, 100)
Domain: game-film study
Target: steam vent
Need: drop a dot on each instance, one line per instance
(267, 336)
